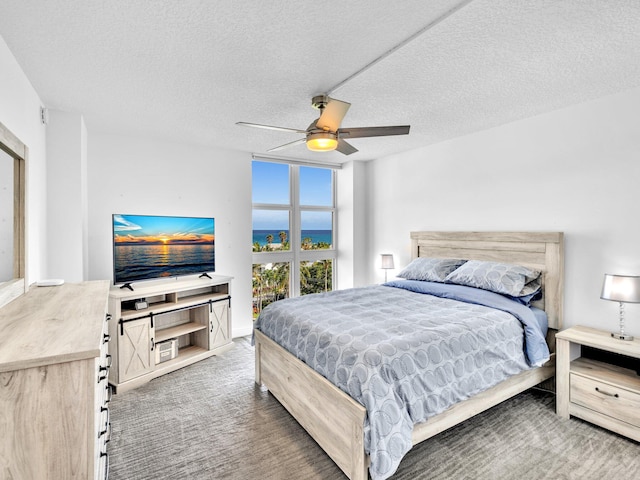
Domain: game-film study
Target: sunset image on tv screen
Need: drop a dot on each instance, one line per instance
(147, 246)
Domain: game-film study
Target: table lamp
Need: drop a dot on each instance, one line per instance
(622, 289)
(387, 264)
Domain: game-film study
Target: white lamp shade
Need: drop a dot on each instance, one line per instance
(387, 261)
(621, 288)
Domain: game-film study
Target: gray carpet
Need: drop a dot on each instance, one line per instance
(210, 421)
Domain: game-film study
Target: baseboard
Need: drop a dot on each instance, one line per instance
(242, 332)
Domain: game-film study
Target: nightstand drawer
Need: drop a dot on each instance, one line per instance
(605, 398)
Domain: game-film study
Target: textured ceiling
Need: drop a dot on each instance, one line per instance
(189, 70)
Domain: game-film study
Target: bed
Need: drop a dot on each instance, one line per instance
(340, 424)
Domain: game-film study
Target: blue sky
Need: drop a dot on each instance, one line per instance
(271, 185)
(270, 182)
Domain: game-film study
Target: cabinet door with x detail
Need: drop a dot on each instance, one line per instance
(135, 346)
(219, 324)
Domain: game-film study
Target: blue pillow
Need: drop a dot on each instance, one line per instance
(430, 269)
(504, 278)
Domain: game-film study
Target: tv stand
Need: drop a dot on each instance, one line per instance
(205, 274)
(186, 320)
(127, 285)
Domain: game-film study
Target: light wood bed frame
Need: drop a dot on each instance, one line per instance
(336, 421)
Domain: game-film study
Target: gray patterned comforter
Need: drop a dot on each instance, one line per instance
(405, 356)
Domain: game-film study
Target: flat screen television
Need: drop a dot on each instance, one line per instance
(149, 247)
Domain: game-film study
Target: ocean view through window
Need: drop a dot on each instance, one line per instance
(293, 224)
(277, 238)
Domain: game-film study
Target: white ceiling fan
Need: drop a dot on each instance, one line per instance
(325, 134)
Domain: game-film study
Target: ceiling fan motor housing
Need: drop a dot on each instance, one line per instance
(319, 101)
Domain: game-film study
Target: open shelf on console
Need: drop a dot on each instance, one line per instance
(186, 356)
(178, 330)
(167, 306)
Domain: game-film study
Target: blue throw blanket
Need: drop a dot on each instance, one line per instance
(536, 347)
(405, 356)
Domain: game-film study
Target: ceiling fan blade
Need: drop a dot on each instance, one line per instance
(270, 127)
(287, 145)
(332, 115)
(373, 131)
(346, 148)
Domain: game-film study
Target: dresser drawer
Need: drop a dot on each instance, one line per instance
(605, 398)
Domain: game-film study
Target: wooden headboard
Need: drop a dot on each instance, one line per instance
(542, 251)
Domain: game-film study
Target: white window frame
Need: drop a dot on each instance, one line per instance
(295, 255)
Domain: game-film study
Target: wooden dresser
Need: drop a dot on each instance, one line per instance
(54, 419)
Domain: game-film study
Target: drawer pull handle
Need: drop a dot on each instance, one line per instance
(107, 422)
(105, 455)
(103, 373)
(607, 393)
(109, 394)
(107, 432)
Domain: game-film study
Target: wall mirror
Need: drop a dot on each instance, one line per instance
(13, 158)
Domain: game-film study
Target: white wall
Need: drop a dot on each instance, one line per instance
(67, 197)
(352, 229)
(574, 170)
(20, 113)
(151, 177)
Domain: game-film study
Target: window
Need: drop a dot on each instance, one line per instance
(294, 220)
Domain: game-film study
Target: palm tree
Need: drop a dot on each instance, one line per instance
(326, 267)
(269, 241)
(281, 280)
(258, 285)
(305, 274)
(268, 277)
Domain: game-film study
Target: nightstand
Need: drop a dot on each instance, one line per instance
(604, 394)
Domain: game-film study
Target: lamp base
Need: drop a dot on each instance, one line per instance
(622, 336)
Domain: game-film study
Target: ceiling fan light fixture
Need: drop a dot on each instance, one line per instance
(322, 141)
(324, 133)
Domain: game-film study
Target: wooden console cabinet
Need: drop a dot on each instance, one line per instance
(194, 314)
(54, 416)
